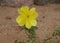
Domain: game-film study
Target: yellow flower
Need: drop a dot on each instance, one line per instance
(27, 17)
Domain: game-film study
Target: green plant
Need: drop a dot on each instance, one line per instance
(27, 20)
(31, 35)
(54, 36)
(16, 41)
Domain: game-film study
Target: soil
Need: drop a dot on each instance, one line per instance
(48, 21)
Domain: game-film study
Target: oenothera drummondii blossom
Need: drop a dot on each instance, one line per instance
(27, 17)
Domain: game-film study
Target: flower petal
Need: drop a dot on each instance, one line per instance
(20, 20)
(28, 24)
(27, 17)
(23, 10)
(33, 13)
(33, 22)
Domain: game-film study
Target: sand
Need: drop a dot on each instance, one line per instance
(48, 21)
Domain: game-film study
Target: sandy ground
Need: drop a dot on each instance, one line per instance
(48, 21)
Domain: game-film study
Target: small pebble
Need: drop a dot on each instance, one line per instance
(8, 18)
(43, 16)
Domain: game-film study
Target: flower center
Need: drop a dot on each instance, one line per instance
(28, 16)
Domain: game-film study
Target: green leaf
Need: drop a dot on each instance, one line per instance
(21, 42)
(58, 29)
(15, 41)
(56, 32)
(49, 41)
